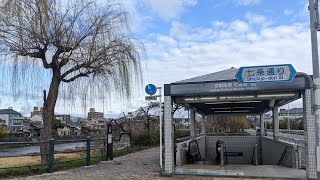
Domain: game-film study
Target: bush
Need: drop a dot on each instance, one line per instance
(181, 134)
(3, 134)
(147, 138)
(151, 138)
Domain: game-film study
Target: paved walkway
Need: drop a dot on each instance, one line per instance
(139, 165)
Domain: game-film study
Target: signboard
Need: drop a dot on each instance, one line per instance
(270, 73)
(233, 153)
(151, 89)
(234, 86)
(151, 98)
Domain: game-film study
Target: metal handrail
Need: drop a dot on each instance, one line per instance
(51, 153)
(29, 142)
(282, 155)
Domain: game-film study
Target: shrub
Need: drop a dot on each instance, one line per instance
(3, 134)
(147, 138)
(181, 134)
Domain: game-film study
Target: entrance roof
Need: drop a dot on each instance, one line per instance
(221, 93)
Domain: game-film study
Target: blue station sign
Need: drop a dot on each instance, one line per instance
(270, 73)
(151, 89)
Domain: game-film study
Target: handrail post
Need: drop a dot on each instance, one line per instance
(256, 154)
(110, 142)
(221, 154)
(88, 151)
(105, 145)
(51, 156)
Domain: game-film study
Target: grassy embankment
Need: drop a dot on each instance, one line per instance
(62, 162)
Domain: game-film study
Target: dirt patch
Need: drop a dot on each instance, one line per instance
(33, 160)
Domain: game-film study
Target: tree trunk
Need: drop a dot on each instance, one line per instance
(48, 115)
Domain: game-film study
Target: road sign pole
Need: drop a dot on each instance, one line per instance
(151, 89)
(160, 128)
(315, 65)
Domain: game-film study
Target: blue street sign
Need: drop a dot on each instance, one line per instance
(151, 89)
(270, 73)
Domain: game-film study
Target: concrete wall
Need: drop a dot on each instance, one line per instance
(269, 154)
(244, 144)
(272, 151)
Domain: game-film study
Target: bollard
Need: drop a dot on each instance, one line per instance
(51, 156)
(88, 151)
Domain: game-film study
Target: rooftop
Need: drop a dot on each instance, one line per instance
(227, 74)
(9, 111)
(221, 93)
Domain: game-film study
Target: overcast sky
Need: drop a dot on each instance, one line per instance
(188, 38)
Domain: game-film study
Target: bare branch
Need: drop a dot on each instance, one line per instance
(76, 77)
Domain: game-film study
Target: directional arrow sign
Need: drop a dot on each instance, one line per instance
(270, 73)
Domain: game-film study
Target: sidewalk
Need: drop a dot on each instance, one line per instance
(139, 165)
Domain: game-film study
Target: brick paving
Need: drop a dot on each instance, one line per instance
(140, 165)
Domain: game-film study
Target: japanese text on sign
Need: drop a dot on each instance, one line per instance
(266, 73)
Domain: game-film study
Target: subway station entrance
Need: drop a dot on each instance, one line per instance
(244, 156)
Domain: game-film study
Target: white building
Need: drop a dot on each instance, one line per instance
(36, 118)
(65, 131)
(13, 119)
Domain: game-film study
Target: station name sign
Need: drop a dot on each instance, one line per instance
(270, 73)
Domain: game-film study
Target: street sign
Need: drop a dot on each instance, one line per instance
(270, 73)
(151, 89)
(151, 98)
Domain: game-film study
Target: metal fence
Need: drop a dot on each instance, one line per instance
(91, 144)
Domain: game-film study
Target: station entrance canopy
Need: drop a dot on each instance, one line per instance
(221, 93)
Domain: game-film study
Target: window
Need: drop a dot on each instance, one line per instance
(17, 122)
(18, 129)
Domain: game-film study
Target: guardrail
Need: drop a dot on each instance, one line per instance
(51, 154)
(301, 132)
(178, 140)
(300, 143)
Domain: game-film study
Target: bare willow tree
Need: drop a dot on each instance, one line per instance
(83, 45)
(148, 113)
(123, 126)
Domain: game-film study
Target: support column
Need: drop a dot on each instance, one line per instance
(203, 124)
(275, 123)
(309, 136)
(316, 96)
(262, 125)
(192, 124)
(168, 136)
(262, 134)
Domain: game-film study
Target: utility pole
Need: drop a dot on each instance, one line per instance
(314, 27)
